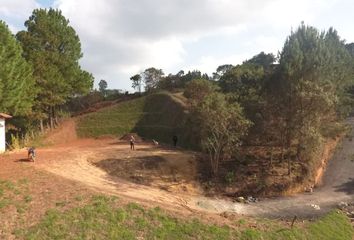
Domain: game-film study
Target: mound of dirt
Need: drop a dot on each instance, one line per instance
(126, 137)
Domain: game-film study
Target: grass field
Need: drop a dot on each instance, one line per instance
(104, 218)
(158, 116)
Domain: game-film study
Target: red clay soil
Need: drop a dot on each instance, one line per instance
(70, 169)
(64, 134)
(64, 176)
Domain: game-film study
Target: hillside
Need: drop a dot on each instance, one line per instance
(158, 116)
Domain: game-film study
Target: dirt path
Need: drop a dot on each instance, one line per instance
(74, 161)
(64, 134)
(337, 186)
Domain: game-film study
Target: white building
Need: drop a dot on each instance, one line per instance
(3, 116)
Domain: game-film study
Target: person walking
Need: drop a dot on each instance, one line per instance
(31, 154)
(174, 139)
(132, 142)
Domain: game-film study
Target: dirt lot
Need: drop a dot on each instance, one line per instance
(155, 176)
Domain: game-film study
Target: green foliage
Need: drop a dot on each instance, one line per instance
(312, 74)
(103, 218)
(221, 70)
(222, 125)
(262, 59)
(178, 81)
(197, 89)
(245, 81)
(116, 120)
(291, 103)
(30, 138)
(136, 82)
(152, 77)
(16, 81)
(251, 234)
(230, 177)
(334, 226)
(102, 86)
(81, 103)
(53, 48)
(15, 142)
(246, 85)
(14, 195)
(158, 116)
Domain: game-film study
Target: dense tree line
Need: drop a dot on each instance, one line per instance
(154, 79)
(16, 79)
(40, 68)
(281, 102)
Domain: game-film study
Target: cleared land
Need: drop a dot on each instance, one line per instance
(59, 196)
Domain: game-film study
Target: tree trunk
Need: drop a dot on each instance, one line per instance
(289, 165)
(51, 118)
(51, 122)
(55, 116)
(271, 156)
(41, 125)
(282, 152)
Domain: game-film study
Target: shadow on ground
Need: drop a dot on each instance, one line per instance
(347, 187)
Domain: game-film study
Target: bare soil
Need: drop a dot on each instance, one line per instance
(154, 176)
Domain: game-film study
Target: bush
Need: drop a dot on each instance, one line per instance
(230, 177)
(15, 142)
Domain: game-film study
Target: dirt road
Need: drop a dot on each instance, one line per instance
(74, 160)
(337, 186)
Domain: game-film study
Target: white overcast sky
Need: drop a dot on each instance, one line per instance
(123, 37)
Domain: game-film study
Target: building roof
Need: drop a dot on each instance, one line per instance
(4, 115)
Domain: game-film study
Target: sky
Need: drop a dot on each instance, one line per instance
(121, 38)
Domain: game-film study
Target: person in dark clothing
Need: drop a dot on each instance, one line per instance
(31, 154)
(132, 141)
(175, 139)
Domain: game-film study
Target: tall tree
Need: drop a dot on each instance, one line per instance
(313, 72)
(102, 86)
(16, 79)
(244, 81)
(152, 77)
(136, 82)
(221, 70)
(222, 125)
(263, 59)
(54, 49)
(197, 89)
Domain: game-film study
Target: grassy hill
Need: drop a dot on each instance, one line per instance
(106, 218)
(158, 116)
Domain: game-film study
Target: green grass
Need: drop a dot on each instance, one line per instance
(14, 194)
(116, 120)
(333, 226)
(105, 218)
(158, 116)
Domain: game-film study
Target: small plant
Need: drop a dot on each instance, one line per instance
(241, 222)
(251, 234)
(28, 198)
(15, 142)
(60, 204)
(230, 177)
(79, 198)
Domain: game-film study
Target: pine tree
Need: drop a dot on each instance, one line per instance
(54, 49)
(16, 80)
(313, 73)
